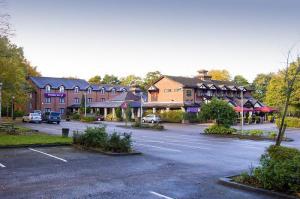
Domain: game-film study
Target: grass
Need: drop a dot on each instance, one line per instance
(32, 139)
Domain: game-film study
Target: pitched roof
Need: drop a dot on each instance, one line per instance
(55, 82)
(108, 87)
(126, 96)
(195, 82)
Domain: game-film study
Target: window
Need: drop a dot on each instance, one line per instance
(188, 93)
(76, 90)
(167, 90)
(90, 100)
(48, 89)
(102, 99)
(47, 100)
(61, 89)
(89, 91)
(124, 90)
(102, 91)
(47, 110)
(113, 91)
(62, 111)
(177, 89)
(76, 100)
(62, 100)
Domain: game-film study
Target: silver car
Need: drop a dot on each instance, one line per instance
(32, 117)
(151, 119)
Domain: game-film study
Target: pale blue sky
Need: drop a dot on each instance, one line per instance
(177, 37)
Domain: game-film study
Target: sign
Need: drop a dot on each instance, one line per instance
(124, 105)
(55, 95)
(192, 109)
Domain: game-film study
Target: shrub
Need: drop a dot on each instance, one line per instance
(272, 134)
(119, 113)
(290, 122)
(255, 132)
(109, 117)
(217, 129)
(280, 169)
(150, 126)
(174, 116)
(191, 117)
(97, 137)
(88, 119)
(75, 116)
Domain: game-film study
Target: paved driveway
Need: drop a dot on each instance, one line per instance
(176, 163)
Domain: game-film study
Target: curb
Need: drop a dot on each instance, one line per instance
(104, 152)
(242, 137)
(33, 145)
(227, 181)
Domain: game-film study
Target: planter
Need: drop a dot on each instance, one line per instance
(105, 152)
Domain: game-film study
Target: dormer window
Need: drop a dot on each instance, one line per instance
(76, 90)
(124, 90)
(113, 91)
(89, 91)
(48, 89)
(102, 91)
(61, 89)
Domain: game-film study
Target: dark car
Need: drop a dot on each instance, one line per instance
(52, 117)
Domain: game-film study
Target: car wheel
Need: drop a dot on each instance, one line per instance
(23, 120)
(143, 121)
(57, 122)
(152, 121)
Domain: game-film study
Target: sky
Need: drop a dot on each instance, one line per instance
(83, 38)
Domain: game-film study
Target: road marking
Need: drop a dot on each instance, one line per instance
(48, 155)
(2, 165)
(158, 147)
(160, 195)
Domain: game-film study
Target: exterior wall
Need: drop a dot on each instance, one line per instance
(189, 98)
(168, 91)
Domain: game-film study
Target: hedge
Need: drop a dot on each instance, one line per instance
(174, 116)
(293, 122)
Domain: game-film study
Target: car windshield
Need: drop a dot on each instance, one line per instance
(55, 114)
(35, 114)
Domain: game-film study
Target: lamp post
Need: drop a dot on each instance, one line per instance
(1, 101)
(84, 104)
(12, 107)
(242, 108)
(141, 108)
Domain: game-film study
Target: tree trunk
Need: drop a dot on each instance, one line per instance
(282, 129)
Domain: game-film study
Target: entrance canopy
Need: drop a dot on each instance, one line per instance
(265, 109)
(239, 109)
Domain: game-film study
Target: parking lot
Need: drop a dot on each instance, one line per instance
(176, 163)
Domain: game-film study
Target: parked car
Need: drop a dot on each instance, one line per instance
(32, 117)
(38, 111)
(51, 117)
(151, 119)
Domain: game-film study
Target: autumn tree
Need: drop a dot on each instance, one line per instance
(240, 80)
(95, 80)
(222, 75)
(260, 84)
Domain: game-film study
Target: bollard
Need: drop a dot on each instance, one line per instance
(65, 132)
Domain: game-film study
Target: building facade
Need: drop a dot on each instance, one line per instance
(65, 94)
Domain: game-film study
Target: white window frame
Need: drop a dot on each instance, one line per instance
(48, 89)
(61, 89)
(62, 100)
(113, 91)
(47, 100)
(76, 89)
(89, 90)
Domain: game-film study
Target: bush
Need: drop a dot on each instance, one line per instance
(191, 117)
(272, 134)
(174, 116)
(290, 122)
(97, 137)
(148, 126)
(75, 116)
(280, 169)
(119, 113)
(88, 119)
(217, 129)
(255, 132)
(109, 117)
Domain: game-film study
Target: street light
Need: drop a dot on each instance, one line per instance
(1, 84)
(242, 108)
(141, 108)
(85, 104)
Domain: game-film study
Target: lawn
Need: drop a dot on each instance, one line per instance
(32, 139)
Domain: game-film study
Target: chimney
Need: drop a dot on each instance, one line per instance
(203, 75)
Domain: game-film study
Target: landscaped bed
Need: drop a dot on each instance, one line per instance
(138, 125)
(98, 140)
(279, 171)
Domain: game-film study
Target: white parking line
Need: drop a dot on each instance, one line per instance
(160, 195)
(48, 155)
(158, 147)
(2, 165)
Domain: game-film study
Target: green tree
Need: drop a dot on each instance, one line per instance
(240, 80)
(110, 79)
(131, 80)
(95, 80)
(218, 110)
(222, 75)
(151, 77)
(260, 84)
(127, 115)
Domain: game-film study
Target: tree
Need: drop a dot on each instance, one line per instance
(82, 104)
(110, 79)
(95, 80)
(222, 75)
(291, 74)
(240, 80)
(220, 111)
(127, 115)
(14, 69)
(130, 80)
(260, 84)
(151, 77)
